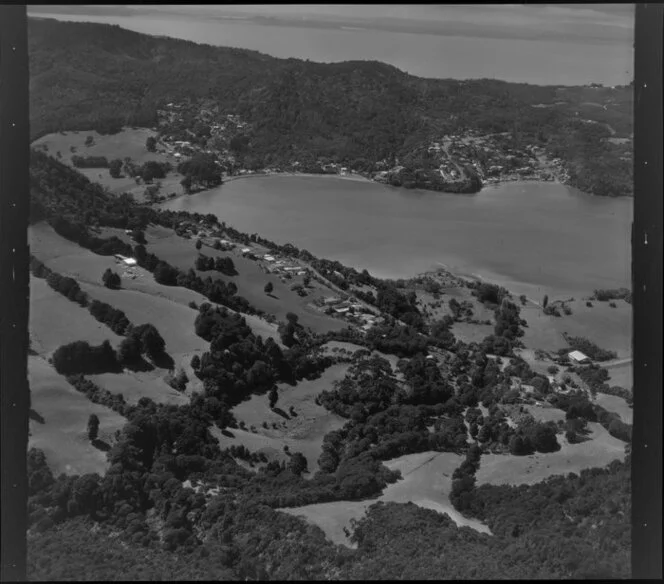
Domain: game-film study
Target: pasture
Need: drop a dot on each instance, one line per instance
(250, 281)
(617, 405)
(70, 259)
(545, 413)
(129, 143)
(426, 481)
(609, 328)
(303, 432)
(63, 435)
(135, 385)
(599, 451)
(56, 320)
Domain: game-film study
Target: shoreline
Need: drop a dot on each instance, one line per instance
(353, 177)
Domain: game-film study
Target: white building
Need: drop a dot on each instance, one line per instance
(125, 260)
(578, 357)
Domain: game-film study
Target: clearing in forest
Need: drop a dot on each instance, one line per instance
(600, 450)
(426, 482)
(302, 431)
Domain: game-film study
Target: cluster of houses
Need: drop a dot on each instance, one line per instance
(282, 267)
(350, 310)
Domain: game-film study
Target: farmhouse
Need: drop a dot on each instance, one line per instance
(578, 357)
(125, 260)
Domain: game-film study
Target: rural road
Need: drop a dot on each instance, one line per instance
(616, 363)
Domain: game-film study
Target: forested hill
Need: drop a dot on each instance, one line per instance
(365, 115)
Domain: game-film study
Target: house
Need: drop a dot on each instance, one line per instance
(578, 357)
(125, 260)
(246, 250)
(342, 310)
(268, 258)
(331, 301)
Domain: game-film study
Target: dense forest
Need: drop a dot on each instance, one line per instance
(362, 114)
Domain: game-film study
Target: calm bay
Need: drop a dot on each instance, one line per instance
(533, 238)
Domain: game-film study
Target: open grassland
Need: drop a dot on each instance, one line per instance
(616, 404)
(426, 482)
(135, 385)
(70, 259)
(545, 414)
(621, 375)
(129, 143)
(598, 451)
(609, 328)
(303, 432)
(56, 320)
(66, 257)
(63, 435)
(174, 321)
(471, 333)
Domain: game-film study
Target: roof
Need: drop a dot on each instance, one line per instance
(578, 356)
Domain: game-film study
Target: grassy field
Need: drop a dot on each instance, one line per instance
(63, 435)
(174, 321)
(426, 482)
(616, 404)
(471, 333)
(610, 328)
(70, 259)
(545, 414)
(622, 375)
(67, 258)
(135, 385)
(303, 432)
(600, 450)
(130, 142)
(56, 321)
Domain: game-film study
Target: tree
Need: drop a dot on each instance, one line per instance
(306, 281)
(89, 141)
(273, 396)
(545, 301)
(151, 144)
(186, 183)
(152, 342)
(111, 279)
(129, 350)
(298, 463)
(115, 168)
(199, 244)
(93, 427)
(195, 362)
(268, 288)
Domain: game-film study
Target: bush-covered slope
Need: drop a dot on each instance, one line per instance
(91, 76)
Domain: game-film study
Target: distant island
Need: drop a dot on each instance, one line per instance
(257, 114)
